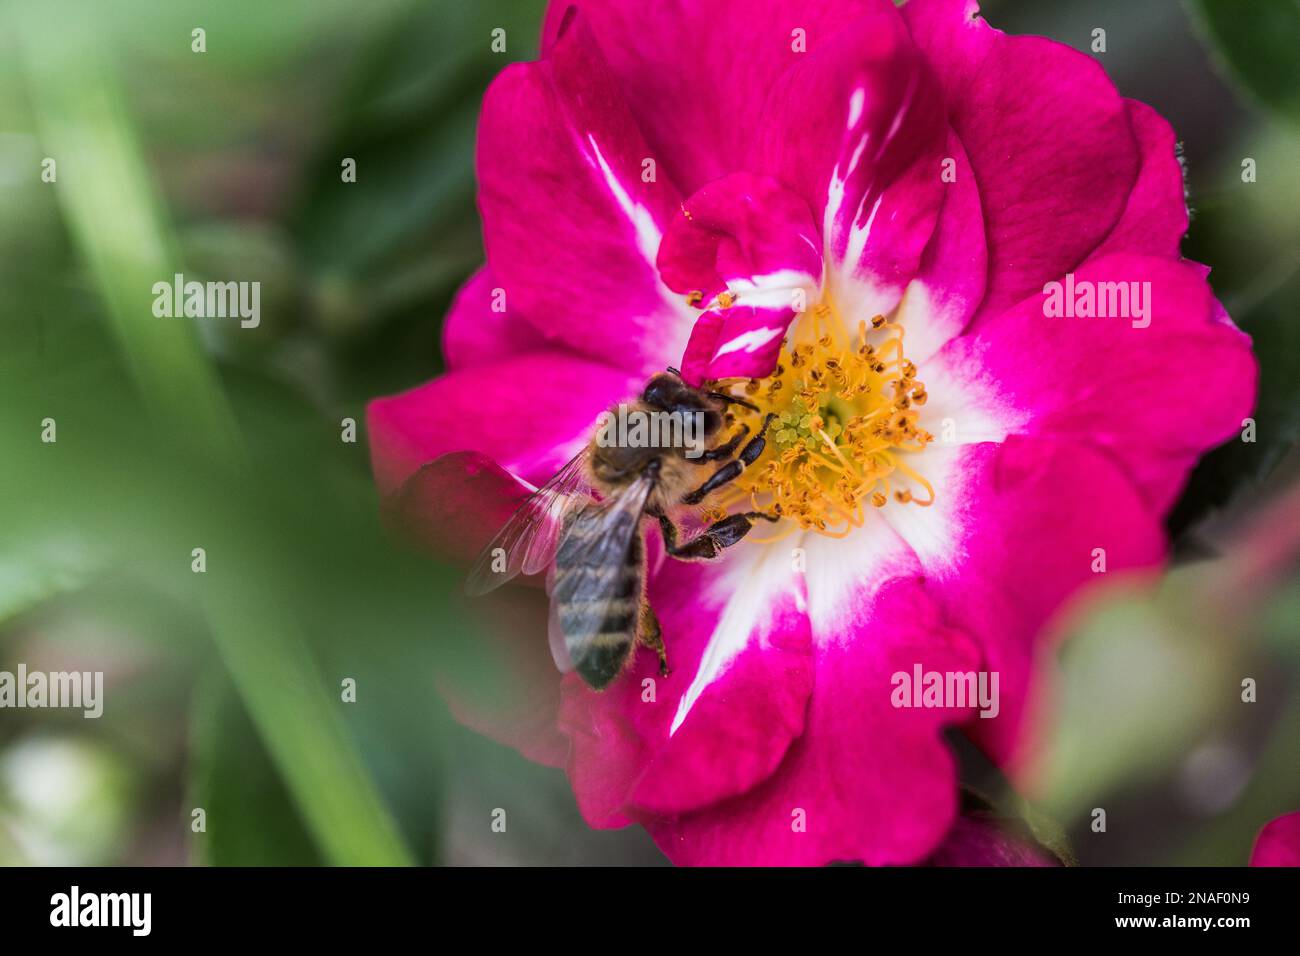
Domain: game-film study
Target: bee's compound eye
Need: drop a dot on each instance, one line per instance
(660, 390)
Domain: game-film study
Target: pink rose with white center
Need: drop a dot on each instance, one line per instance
(848, 214)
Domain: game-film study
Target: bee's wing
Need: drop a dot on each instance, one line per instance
(594, 554)
(528, 540)
(555, 633)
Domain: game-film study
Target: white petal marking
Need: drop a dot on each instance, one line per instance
(856, 101)
(648, 238)
(935, 534)
(773, 290)
(965, 405)
(648, 233)
(747, 588)
(844, 571)
(750, 341)
(858, 235)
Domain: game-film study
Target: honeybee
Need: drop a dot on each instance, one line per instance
(583, 527)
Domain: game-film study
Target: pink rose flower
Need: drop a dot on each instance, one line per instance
(1278, 844)
(851, 214)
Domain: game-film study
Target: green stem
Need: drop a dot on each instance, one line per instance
(104, 186)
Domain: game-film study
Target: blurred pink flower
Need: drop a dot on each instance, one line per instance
(979, 839)
(806, 167)
(1278, 844)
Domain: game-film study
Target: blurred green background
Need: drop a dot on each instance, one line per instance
(223, 690)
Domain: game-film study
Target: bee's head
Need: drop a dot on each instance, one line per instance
(664, 390)
(668, 392)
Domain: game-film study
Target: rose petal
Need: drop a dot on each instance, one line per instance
(753, 238)
(737, 643)
(1027, 527)
(697, 74)
(867, 781)
(531, 413)
(1155, 216)
(1278, 844)
(1047, 134)
(857, 128)
(1156, 396)
(481, 328)
(949, 285)
(571, 222)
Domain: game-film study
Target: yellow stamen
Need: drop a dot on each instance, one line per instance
(846, 406)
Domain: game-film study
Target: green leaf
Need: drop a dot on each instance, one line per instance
(249, 816)
(1048, 831)
(36, 567)
(1141, 679)
(1257, 42)
(408, 120)
(119, 229)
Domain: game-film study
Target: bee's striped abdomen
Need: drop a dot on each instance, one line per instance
(597, 596)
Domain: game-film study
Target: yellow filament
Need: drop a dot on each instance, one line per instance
(846, 421)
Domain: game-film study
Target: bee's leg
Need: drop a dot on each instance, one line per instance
(710, 542)
(727, 473)
(732, 469)
(725, 450)
(650, 634)
(754, 447)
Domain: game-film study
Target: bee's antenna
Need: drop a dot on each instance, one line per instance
(733, 400)
(676, 372)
